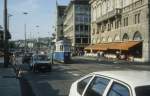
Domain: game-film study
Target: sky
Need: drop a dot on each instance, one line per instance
(41, 13)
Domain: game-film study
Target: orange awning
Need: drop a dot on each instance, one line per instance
(99, 47)
(113, 46)
(123, 45)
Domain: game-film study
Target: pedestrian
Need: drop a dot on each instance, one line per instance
(18, 72)
(98, 56)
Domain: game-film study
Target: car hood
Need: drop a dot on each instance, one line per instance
(42, 62)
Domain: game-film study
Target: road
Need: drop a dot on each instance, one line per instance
(58, 82)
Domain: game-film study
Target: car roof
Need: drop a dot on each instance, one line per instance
(39, 55)
(132, 77)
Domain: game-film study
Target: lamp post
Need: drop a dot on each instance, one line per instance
(38, 41)
(25, 33)
(8, 21)
(6, 56)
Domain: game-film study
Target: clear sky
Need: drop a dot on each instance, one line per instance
(40, 12)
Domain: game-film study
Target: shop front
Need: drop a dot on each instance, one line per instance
(127, 50)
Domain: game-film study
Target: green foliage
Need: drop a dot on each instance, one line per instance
(12, 44)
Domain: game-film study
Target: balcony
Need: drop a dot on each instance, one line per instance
(115, 12)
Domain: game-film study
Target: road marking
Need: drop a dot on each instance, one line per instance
(76, 74)
(69, 72)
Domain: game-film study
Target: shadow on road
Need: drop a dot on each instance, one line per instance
(26, 89)
(55, 83)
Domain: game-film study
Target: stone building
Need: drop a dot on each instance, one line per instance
(121, 26)
(77, 24)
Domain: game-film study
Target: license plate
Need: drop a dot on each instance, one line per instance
(43, 67)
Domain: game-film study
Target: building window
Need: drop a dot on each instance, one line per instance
(84, 40)
(86, 28)
(126, 21)
(117, 24)
(137, 18)
(109, 27)
(77, 28)
(78, 40)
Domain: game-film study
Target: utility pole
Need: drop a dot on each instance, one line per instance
(25, 33)
(38, 39)
(6, 56)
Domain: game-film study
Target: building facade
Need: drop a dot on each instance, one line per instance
(122, 21)
(77, 24)
(60, 20)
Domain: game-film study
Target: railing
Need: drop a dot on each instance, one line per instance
(110, 14)
(133, 5)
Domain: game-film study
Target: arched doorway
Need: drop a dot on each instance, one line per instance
(109, 39)
(125, 37)
(116, 38)
(137, 36)
(136, 51)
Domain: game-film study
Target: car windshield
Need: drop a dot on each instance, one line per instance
(42, 58)
(142, 91)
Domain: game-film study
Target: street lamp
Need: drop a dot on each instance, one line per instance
(8, 22)
(25, 33)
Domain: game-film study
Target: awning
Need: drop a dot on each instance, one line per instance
(98, 47)
(113, 46)
(123, 45)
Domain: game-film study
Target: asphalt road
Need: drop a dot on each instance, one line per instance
(58, 82)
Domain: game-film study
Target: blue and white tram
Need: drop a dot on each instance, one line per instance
(62, 52)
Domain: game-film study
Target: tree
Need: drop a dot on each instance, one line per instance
(12, 45)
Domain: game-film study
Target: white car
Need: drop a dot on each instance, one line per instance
(113, 83)
(40, 62)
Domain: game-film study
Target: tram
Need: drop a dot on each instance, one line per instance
(62, 52)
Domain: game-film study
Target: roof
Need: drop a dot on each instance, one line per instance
(113, 45)
(132, 77)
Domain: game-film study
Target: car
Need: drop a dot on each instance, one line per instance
(113, 83)
(27, 58)
(40, 62)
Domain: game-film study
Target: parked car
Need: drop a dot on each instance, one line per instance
(27, 58)
(40, 63)
(113, 83)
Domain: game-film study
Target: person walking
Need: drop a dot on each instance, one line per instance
(98, 56)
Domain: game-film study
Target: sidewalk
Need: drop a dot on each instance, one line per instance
(113, 61)
(9, 85)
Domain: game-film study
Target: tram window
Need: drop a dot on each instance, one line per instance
(61, 48)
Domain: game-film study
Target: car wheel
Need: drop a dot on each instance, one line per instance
(30, 68)
(50, 68)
